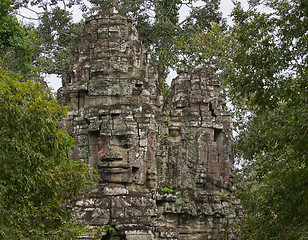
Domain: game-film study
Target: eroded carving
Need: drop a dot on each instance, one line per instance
(163, 162)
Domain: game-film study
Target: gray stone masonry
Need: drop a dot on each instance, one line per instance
(164, 162)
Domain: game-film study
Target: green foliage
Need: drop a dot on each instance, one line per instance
(16, 47)
(268, 88)
(164, 87)
(10, 29)
(43, 47)
(167, 122)
(206, 49)
(167, 190)
(108, 228)
(56, 34)
(37, 177)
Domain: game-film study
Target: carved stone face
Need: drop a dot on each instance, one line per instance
(115, 157)
(121, 149)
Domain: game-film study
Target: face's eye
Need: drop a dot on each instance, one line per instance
(174, 132)
(123, 141)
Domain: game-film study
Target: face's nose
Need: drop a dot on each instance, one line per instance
(110, 155)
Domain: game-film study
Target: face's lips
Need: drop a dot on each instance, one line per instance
(113, 170)
(113, 163)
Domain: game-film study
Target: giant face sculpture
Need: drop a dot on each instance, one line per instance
(120, 132)
(113, 156)
(110, 90)
(120, 159)
(199, 147)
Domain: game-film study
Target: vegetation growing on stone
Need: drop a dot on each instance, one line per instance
(166, 190)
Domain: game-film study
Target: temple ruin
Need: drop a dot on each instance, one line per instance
(165, 162)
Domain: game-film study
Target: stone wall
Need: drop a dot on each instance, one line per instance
(165, 163)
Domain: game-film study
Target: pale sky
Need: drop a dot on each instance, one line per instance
(226, 6)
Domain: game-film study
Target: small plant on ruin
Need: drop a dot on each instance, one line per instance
(109, 230)
(167, 190)
(224, 196)
(163, 86)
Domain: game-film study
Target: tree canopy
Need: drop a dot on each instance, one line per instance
(268, 87)
(37, 178)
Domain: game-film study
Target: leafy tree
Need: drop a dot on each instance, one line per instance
(37, 177)
(9, 26)
(16, 45)
(268, 88)
(56, 33)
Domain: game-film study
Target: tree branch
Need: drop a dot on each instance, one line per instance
(64, 5)
(192, 15)
(29, 18)
(37, 13)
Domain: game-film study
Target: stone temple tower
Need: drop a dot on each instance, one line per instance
(165, 162)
